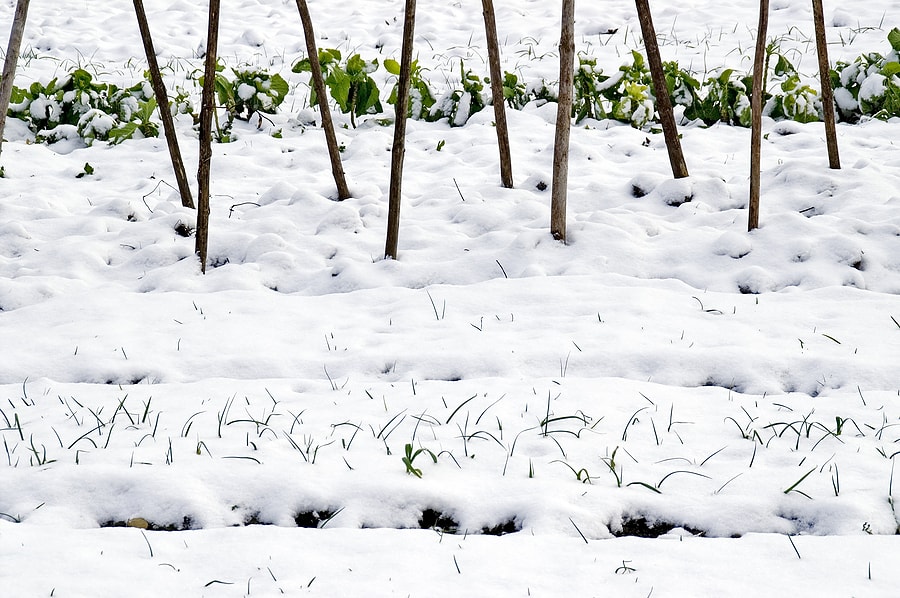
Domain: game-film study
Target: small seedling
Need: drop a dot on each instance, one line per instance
(88, 170)
(410, 457)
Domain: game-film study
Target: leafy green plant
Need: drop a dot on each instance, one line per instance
(251, 91)
(683, 87)
(460, 104)
(257, 91)
(421, 98)
(870, 85)
(349, 83)
(514, 91)
(631, 98)
(590, 85)
(726, 99)
(84, 107)
(140, 121)
(623, 96)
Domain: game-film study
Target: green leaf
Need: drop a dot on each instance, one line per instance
(339, 84)
(890, 69)
(894, 39)
(329, 55)
(278, 88)
(392, 66)
(302, 66)
(119, 134)
(784, 67)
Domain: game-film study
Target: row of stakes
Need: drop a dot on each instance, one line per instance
(563, 119)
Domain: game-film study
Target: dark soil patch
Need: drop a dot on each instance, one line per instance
(432, 519)
(641, 527)
(186, 524)
(314, 519)
(501, 529)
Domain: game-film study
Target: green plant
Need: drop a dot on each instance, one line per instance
(82, 106)
(631, 98)
(349, 83)
(460, 104)
(410, 457)
(726, 99)
(793, 487)
(623, 96)
(683, 87)
(86, 171)
(870, 85)
(249, 92)
(257, 91)
(610, 463)
(421, 98)
(140, 121)
(514, 91)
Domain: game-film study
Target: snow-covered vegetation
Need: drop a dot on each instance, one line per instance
(310, 418)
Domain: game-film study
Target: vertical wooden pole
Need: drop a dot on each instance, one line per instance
(12, 59)
(162, 102)
(661, 90)
(401, 109)
(756, 106)
(208, 105)
(560, 183)
(337, 169)
(834, 160)
(493, 46)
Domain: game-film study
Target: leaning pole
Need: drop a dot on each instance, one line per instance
(318, 81)
(12, 58)
(162, 102)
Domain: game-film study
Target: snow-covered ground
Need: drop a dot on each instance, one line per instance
(665, 373)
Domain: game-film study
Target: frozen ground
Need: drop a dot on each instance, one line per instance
(664, 374)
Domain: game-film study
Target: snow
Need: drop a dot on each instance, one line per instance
(665, 372)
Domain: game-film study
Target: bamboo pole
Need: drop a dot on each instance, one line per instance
(493, 46)
(162, 102)
(756, 106)
(559, 189)
(337, 168)
(661, 90)
(208, 105)
(398, 150)
(12, 59)
(834, 160)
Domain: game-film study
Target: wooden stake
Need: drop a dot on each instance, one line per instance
(493, 46)
(337, 168)
(401, 108)
(834, 160)
(559, 188)
(756, 106)
(12, 59)
(661, 90)
(162, 102)
(208, 105)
